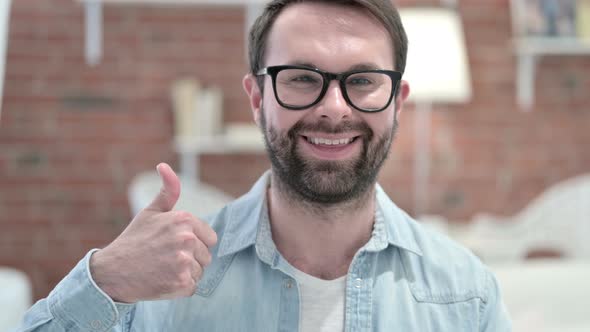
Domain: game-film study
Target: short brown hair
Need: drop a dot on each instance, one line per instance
(383, 10)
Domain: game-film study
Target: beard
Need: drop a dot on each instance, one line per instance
(326, 182)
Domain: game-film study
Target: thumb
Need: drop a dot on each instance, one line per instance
(169, 192)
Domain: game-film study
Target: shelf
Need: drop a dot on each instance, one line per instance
(528, 51)
(545, 31)
(93, 18)
(181, 2)
(237, 139)
(552, 46)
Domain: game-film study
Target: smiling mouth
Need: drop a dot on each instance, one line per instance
(330, 142)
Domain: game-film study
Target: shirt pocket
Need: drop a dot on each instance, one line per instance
(446, 310)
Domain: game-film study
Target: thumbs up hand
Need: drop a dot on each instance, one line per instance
(160, 255)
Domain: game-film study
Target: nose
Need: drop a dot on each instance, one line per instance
(334, 106)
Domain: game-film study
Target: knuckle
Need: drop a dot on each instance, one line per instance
(187, 239)
(171, 226)
(183, 260)
(183, 215)
(180, 218)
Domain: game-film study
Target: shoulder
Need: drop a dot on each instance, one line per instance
(437, 268)
(446, 270)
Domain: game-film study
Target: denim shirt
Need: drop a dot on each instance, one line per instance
(405, 278)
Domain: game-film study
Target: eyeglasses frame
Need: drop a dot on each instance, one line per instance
(328, 77)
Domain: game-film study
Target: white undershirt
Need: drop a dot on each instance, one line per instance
(321, 303)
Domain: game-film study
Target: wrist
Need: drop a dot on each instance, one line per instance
(106, 279)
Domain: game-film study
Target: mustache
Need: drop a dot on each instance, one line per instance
(326, 127)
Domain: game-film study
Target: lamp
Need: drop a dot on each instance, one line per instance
(437, 70)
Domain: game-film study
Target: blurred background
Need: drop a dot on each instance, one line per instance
(95, 94)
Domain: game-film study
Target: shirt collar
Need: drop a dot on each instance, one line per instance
(392, 226)
(248, 224)
(246, 218)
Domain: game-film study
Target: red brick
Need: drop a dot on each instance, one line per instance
(65, 167)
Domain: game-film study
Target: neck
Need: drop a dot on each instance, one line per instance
(320, 240)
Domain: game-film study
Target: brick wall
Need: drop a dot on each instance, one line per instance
(73, 136)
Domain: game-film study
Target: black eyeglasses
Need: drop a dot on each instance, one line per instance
(300, 87)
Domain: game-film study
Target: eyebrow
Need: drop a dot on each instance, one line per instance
(359, 66)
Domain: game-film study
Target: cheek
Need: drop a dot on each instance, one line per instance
(380, 122)
(277, 117)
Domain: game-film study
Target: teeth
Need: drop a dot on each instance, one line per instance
(315, 140)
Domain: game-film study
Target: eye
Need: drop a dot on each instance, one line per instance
(359, 80)
(299, 78)
(304, 79)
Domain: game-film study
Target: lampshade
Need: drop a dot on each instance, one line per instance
(437, 67)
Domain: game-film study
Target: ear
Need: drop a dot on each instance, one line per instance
(402, 96)
(253, 91)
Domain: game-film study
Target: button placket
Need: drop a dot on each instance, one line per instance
(358, 282)
(289, 305)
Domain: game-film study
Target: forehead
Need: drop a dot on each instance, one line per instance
(330, 36)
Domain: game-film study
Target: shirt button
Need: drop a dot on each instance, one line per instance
(358, 282)
(96, 324)
(288, 283)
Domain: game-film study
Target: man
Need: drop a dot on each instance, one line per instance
(316, 245)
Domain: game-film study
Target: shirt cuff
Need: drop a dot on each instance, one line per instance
(78, 303)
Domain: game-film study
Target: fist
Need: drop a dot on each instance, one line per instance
(160, 255)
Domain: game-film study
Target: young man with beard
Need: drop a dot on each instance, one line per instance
(316, 245)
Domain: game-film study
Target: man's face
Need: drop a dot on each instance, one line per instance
(330, 152)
